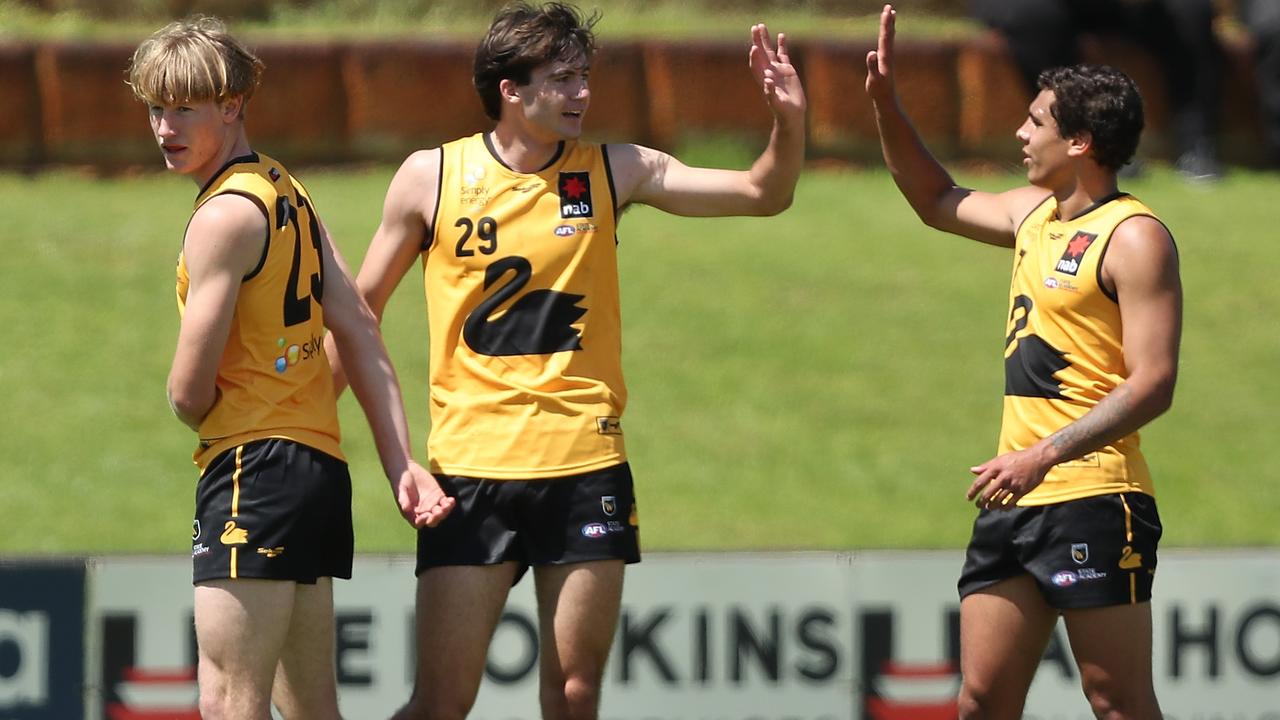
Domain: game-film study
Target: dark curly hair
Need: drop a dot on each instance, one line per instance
(523, 37)
(1099, 100)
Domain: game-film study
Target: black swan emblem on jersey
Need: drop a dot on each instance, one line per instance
(1029, 370)
(540, 322)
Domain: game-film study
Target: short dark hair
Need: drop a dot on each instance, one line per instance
(1099, 100)
(523, 37)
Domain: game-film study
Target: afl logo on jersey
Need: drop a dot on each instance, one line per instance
(1070, 261)
(575, 195)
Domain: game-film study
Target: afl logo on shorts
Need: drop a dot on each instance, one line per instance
(1066, 578)
(594, 530)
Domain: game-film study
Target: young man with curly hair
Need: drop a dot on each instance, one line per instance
(1067, 523)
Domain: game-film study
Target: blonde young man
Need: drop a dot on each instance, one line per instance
(516, 230)
(1067, 522)
(259, 283)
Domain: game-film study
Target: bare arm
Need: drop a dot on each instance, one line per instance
(224, 242)
(357, 340)
(926, 185)
(1142, 266)
(656, 178)
(395, 247)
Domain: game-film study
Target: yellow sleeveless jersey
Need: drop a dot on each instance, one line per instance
(522, 303)
(1063, 352)
(274, 378)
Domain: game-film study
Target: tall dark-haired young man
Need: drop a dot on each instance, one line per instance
(1067, 522)
(516, 230)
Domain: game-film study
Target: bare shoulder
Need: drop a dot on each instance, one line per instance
(228, 229)
(1141, 251)
(633, 165)
(422, 164)
(1020, 202)
(415, 186)
(1144, 239)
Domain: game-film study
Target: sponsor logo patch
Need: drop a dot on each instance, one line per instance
(1079, 243)
(564, 231)
(271, 552)
(199, 549)
(609, 504)
(575, 195)
(1080, 553)
(195, 529)
(594, 530)
(609, 425)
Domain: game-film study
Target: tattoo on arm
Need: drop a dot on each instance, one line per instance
(1108, 421)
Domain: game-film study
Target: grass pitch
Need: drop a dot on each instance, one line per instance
(821, 379)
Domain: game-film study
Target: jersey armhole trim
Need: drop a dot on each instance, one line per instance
(1102, 258)
(1017, 230)
(613, 191)
(266, 240)
(429, 238)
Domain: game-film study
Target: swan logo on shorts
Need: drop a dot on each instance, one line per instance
(1065, 578)
(594, 530)
(232, 535)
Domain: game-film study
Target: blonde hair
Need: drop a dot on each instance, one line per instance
(193, 60)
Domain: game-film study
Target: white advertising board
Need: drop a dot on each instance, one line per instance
(791, 636)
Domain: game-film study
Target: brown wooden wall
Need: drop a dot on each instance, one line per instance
(67, 103)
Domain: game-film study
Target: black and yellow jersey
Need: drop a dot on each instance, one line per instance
(274, 379)
(1064, 351)
(523, 310)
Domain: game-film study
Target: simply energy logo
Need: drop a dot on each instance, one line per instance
(291, 355)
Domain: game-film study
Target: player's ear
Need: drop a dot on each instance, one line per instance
(232, 108)
(1080, 144)
(509, 90)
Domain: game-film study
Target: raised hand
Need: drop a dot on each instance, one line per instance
(775, 73)
(880, 61)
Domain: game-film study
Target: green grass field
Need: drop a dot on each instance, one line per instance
(821, 379)
(466, 19)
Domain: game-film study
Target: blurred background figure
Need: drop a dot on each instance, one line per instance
(1178, 33)
(1262, 19)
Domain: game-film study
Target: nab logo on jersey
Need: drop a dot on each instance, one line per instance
(1069, 263)
(575, 195)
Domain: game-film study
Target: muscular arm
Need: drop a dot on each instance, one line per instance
(656, 178)
(224, 242)
(927, 186)
(1142, 267)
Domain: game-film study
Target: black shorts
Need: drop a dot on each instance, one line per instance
(1093, 552)
(572, 519)
(273, 509)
